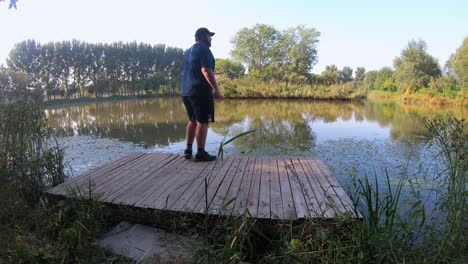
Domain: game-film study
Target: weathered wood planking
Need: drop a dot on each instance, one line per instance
(268, 187)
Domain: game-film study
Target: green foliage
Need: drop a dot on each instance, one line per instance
(226, 68)
(384, 80)
(443, 84)
(13, 85)
(34, 229)
(415, 67)
(247, 88)
(460, 64)
(255, 47)
(346, 74)
(449, 65)
(27, 161)
(449, 136)
(74, 68)
(360, 74)
(331, 75)
(271, 54)
(368, 83)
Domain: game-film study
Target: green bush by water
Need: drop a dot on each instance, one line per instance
(35, 229)
(251, 88)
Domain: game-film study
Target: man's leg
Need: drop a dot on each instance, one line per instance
(189, 137)
(190, 132)
(201, 132)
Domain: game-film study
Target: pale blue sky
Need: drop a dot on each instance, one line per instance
(353, 33)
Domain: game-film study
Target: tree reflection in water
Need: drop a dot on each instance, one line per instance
(282, 126)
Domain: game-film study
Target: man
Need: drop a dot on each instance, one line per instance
(198, 85)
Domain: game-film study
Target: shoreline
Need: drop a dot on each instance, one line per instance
(413, 99)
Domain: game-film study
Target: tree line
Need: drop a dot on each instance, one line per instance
(262, 56)
(74, 68)
(288, 56)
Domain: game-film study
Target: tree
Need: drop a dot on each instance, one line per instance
(415, 67)
(300, 53)
(70, 68)
(384, 80)
(360, 74)
(369, 80)
(270, 54)
(13, 84)
(255, 47)
(229, 69)
(460, 64)
(345, 75)
(25, 57)
(330, 75)
(449, 64)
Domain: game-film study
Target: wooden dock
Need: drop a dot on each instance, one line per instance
(269, 188)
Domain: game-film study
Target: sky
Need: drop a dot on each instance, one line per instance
(353, 33)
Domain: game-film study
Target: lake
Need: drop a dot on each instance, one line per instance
(351, 138)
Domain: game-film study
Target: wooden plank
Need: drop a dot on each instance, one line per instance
(233, 192)
(188, 196)
(216, 205)
(302, 210)
(154, 163)
(326, 206)
(106, 184)
(328, 190)
(174, 191)
(270, 188)
(311, 199)
(137, 188)
(153, 182)
(289, 210)
(276, 201)
(240, 206)
(199, 201)
(338, 190)
(157, 162)
(229, 188)
(85, 177)
(264, 203)
(213, 185)
(99, 183)
(161, 188)
(254, 193)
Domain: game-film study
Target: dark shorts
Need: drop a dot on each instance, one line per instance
(199, 108)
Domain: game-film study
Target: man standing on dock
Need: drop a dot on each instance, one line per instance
(198, 85)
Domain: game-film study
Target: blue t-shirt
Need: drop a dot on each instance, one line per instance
(193, 82)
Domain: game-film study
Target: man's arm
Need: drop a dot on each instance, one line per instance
(211, 79)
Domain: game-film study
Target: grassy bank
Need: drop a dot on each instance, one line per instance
(423, 97)
(395, 229)
(245, 88)
(110, 98)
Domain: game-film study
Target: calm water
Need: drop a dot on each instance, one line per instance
(351, 138)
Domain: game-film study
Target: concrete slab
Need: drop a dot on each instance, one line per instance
(144, 244)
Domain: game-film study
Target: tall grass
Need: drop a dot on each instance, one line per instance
(29, 159)
(35, 229)
(248, 88)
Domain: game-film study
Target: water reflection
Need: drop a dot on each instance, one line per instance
(281, 125)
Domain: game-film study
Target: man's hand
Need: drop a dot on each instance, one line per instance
(218, 95)
(211, 79)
